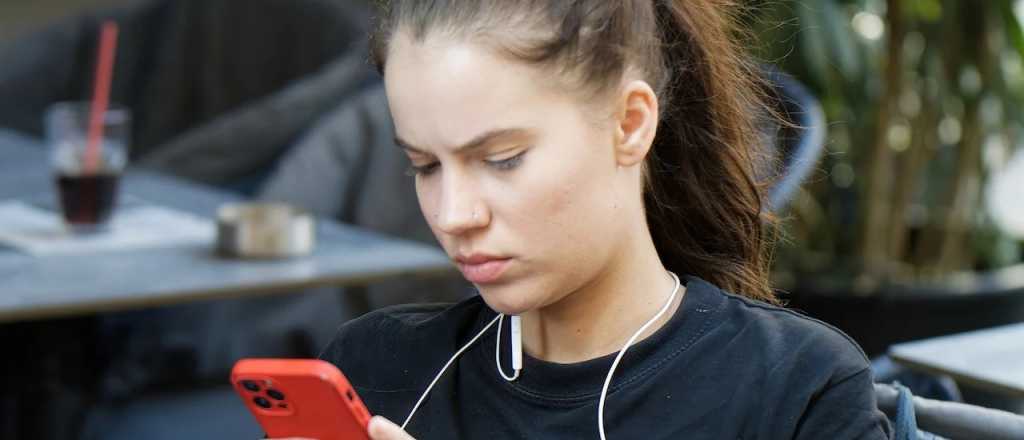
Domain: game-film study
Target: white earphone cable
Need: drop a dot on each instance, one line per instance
(615, 363)
(517, 363)
(445, 368)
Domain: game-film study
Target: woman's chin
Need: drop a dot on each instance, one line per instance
(508, 301)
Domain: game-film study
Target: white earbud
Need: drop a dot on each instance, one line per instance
(517, 348)
(517, 343)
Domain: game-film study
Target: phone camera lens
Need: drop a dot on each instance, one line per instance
(251, 386)
(277, 395)
(263, 403)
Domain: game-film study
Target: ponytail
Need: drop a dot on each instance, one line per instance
(704, 207)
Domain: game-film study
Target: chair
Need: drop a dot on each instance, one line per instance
(953, 420)
(794, 146)
(201, 77)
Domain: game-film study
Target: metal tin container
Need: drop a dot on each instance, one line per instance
(264, 230)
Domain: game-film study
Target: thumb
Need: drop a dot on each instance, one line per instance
(383, 429)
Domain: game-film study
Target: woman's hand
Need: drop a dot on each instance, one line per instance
(382, 429)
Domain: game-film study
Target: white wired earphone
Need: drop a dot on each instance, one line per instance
(517, 356)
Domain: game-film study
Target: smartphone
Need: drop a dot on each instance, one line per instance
(301, 398)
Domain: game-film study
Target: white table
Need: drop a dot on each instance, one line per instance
(35, 290)
(33, 287)
(990, 359)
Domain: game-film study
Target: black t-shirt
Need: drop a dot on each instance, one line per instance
(723, 367)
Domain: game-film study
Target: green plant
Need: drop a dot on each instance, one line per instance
(922, 98)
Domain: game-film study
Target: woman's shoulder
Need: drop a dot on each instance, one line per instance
(412, 319)
(393, 338)
(811, 379)
(783, 335)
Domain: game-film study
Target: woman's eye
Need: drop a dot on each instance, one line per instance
(422, 170)
(506, 164)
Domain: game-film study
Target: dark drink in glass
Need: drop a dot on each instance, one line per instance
(87, 200)
(87, 175)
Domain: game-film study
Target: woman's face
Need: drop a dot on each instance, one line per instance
(518, 181)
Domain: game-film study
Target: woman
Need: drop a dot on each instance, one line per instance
(573, 157)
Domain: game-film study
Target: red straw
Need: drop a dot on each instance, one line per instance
(101, 94)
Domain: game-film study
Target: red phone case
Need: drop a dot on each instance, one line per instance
(301, 398)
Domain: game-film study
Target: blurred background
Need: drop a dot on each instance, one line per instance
(24, 16)
(900, 189)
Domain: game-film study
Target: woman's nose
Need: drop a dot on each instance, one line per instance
(461, 208)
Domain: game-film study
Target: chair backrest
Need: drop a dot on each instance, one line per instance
(955, 420)
(183, 66)
(795, 145)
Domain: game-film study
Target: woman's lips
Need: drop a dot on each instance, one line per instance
(484, 272)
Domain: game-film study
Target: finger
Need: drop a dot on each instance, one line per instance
(382, 429)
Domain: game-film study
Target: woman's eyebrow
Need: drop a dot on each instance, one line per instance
(477, 142)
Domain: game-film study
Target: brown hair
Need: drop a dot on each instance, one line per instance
(703, 203)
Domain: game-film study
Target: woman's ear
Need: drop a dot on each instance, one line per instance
(636, 122)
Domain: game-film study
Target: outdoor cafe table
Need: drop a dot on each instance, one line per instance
(37, 287)
(990, 359)
(46, 301)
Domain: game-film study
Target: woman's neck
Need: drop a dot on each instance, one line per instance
(599, 318)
